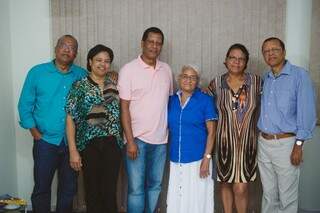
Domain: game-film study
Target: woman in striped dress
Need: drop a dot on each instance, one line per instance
(237, 95)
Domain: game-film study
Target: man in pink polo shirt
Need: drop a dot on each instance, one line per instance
(144, 86)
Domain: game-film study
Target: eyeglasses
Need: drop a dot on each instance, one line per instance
(273, 50)
(189, 77)
(100, 60)
(67, 47)
(234, 59)
(152, 43)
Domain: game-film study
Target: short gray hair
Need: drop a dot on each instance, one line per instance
(193, 67)
(60, 40)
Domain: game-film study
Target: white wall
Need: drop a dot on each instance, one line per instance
(8, 173)
(298, 35)
(30, 45)
(310, 175)
(298, 31)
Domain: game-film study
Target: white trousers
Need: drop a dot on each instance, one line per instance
(280, 179)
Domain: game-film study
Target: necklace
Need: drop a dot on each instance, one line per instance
(235, 97)
(99, 82)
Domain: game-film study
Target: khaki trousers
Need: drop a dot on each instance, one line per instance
(280, 179)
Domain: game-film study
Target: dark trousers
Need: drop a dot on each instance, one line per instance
(101, 163)
(47, 159)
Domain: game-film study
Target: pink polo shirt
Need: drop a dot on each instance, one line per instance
(148, 91)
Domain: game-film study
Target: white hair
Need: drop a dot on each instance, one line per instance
(193, 67)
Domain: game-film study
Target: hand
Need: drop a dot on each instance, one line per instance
(113, 75)
(132, 150)
(296, 155)
(205, 90)
(204, 167)
(35, 134)
(75, 160)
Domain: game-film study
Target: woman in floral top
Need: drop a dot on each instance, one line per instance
(94, 131)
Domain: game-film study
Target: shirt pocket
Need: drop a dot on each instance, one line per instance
(286, 101)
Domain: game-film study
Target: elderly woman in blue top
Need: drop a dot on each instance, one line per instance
(192, 119)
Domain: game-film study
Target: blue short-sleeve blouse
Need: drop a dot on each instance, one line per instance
(187, 126)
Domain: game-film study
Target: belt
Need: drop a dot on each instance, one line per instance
(276, 136)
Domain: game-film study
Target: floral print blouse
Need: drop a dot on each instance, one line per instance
(95, 113)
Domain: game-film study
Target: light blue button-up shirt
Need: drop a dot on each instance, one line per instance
(43, 98)
(288, 103)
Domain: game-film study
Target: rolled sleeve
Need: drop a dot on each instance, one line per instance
(27, 102)
(303, 134)
(306, 108)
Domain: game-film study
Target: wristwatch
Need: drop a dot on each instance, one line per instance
(299, 142)
(208, 156)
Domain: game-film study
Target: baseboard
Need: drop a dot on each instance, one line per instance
(309, 210)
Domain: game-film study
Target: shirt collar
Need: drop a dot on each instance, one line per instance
(106, 80)
(91, 81)
(195, 92)
(55, 69)
(146, 66)
(286, 69)
(194, 95)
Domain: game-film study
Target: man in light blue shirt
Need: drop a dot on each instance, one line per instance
(287, 119)
(42, 111)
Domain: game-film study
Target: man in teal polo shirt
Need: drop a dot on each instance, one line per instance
(42, 111)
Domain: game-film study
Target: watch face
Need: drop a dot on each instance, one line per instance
(299, 143)
(208, 156)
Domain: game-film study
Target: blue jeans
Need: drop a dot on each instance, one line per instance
(145, 177)
(47, 159)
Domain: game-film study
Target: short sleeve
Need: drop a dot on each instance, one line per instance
(171, 81)
(73, 103)
(210, 109)
(212, 88)
(124, 83)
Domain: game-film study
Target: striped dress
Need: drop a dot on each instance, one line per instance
(237, 133)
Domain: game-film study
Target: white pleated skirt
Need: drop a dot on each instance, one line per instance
(187, 192)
